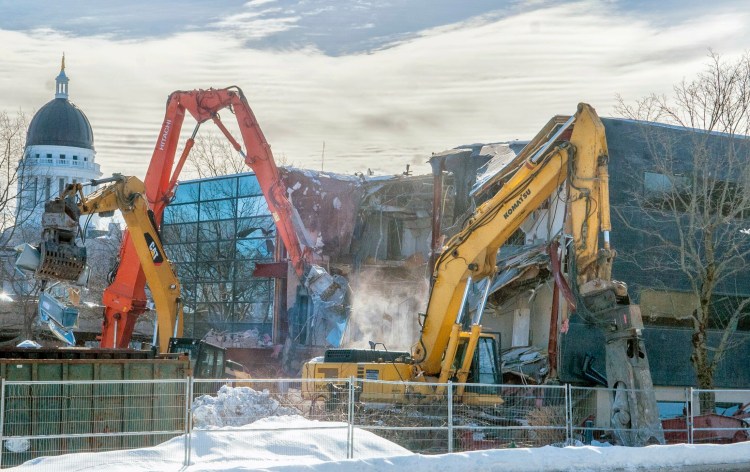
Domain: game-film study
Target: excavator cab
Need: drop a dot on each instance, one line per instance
(485, 362)
(208, 361)
(485, 367)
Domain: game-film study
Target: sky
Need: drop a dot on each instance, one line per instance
(351, 85)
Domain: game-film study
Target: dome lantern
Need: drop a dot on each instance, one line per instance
(61, 89)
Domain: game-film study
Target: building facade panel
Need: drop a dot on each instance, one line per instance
(215, 238)
(662, 291)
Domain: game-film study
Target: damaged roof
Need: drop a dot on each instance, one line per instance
(330, 205)
(517, 265)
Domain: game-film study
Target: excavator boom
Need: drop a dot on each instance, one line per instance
(126, 194)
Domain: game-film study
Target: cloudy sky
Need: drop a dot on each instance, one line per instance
(381, 83)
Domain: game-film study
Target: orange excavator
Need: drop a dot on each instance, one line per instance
(125, 298)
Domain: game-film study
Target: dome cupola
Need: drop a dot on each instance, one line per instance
(60, 122)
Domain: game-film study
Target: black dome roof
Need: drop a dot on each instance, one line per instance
(60, 123)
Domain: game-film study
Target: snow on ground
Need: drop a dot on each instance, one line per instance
(274, 438)
(273, 445)
(545, 459)
(283, 441)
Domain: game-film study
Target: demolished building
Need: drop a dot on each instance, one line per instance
(538, 340)
(238, 286)
(380, 233)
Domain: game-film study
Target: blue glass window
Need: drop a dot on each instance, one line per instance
(215, 239)
(187, 193)
(248, 185)
(217, 189)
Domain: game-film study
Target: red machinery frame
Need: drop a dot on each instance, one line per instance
(125, 298)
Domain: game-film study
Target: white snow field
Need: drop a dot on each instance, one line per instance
(274, 438)
(283, 441)
(275, 447)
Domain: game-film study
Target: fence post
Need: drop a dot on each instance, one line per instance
(2, 419)
(568, 414)
(450, 416)
(188, 419)
(690, 407)
(350, 421)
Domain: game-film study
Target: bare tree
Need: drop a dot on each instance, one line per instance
(12, 164)
(18, 197)
(214, 156)
(695, 204)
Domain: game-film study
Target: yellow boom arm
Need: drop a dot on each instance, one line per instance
(471, 254)
(127, 194)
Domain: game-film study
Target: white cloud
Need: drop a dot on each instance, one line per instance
(259, 2)
(489, 79)
(255, 23)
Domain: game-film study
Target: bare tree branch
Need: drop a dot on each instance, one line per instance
(695, 212)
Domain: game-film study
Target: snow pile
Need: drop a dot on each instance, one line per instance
(236, 406)
(289, 443)
(286, 442)
(17, 445)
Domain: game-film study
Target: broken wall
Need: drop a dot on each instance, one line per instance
(327, 205)
(394, 220)
(376, 231)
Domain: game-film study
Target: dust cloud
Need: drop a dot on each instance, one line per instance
(385, 308)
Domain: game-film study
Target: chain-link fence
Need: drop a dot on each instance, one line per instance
(347, 418)
(716, 420)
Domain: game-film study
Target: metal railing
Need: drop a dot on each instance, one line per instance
(348, 418)
(61, 162)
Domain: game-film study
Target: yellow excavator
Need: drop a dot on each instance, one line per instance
(569, 151)
(60, 259)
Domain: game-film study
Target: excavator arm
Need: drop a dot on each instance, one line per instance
(572, 153)
(125, 298)
(126, 194)
(471, 254)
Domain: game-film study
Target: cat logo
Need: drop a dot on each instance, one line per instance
(156, 255)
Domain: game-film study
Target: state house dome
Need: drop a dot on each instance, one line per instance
(59, 122)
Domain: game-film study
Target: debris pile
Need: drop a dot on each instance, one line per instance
(236, 406)
(527, 363)
(246, 339)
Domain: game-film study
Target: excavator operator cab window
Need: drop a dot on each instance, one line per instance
(485, 365)
(205, 365)
(212, 364)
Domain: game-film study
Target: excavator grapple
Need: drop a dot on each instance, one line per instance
(61, 259)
